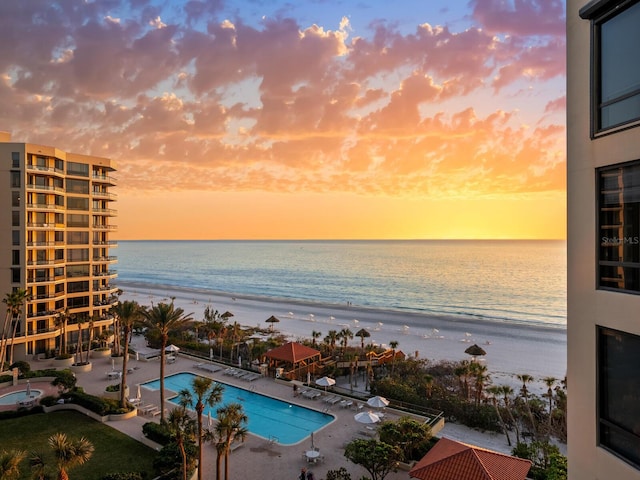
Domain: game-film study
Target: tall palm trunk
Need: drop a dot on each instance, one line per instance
(123, 377)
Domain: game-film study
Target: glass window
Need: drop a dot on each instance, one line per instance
(78, 238)
(618, 79)
(77, 203)
(76, 287)
(78, 255)
(15, 237)
(15, 257)
(15, 199)
(78, 271)
(79, 169)
(15, 159)
(76, 220)
(15, 179)
(619, 227)
(15, 218)
(619, 393)
(77, 186)
(15, 275)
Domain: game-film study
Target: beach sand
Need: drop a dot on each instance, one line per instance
(511, 349)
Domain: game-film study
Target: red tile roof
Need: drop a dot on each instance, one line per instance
(292, 352)
(451, 460)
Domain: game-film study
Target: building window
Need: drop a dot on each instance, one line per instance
(15, 237)
(15, 218)
(16, 275)
(79, 169)
(15, 257)
(77, 186)
(15, 179)
(616, 72)
(15, 159)
(15, 199)
(619, 393)
(619, 227)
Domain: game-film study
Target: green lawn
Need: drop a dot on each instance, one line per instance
(114, 451)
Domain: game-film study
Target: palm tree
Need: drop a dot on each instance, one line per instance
(230, 427)
(61, 322)
(526, 378)
(15, 302)
(331, 339)
(81, 320)
(10, 463)
(315, 334)
(481, 377)
(128, 313)
(182, 427)
(69, 454)
(206, 392)
(506, 392)
(362, 333)
(163, 318)
(550, 382)
(38, 466)
(494, 391)
(393, 344)
(92, 322)
(345, 335)
(462, 371)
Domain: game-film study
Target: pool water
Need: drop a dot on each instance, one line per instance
(13, 397)
(268, 417)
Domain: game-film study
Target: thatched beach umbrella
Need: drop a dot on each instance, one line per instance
(272, 319)
(226, 315)
(475, 351)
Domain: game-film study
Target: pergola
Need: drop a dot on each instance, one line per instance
(292, 356)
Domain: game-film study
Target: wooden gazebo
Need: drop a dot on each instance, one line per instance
(292, 357)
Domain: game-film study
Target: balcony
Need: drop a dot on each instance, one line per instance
(110, 243)
(110, 259)
(40, 226)
(40, 168)
(97, 226)
(105, 195)
(44, 188)
(104, 179)
(110, 273)
(45, 206)
(109, 212)
(42, 314)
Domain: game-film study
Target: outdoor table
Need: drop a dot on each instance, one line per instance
(312, 455)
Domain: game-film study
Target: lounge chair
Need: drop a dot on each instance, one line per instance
(329, 398)
(334, 400)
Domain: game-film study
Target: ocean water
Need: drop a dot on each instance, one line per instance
(520, 282)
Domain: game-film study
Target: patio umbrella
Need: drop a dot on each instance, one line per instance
(139, 393)
(366, 417)
(272, 319)
(378, 402)
(172, 348)
(226, 314)
(475, 351)
(325, 382)
(28, 388)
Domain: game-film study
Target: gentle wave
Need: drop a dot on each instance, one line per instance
(520, 282)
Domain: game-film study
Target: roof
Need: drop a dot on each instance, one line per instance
(451, 460)
(292, 352)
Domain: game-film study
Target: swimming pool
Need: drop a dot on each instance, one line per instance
(13, 397)
(268, 417)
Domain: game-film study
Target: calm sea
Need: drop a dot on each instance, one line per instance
(511, 281)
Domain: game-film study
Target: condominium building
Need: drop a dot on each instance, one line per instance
(603, 193)
(56, 221)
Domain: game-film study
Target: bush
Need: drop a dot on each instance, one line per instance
(113, 388)
(22, 366)
(63, 356)
(156, 432)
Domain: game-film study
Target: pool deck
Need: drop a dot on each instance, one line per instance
(257, 458)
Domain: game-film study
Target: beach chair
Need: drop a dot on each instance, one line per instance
(329, 398)
(334, 400)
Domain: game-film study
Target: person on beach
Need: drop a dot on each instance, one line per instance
(310, 476)
(295, 390)
(303, 474)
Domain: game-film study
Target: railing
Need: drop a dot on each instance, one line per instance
(104, 178)
(104, 227)
(104, 194)
(47, 188)
(41, 168)
(44, 206)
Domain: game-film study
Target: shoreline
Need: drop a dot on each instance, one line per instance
(511, 348)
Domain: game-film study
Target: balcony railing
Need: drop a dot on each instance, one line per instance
(40, 168)
(97, 226)
(104, 178)
(105, 259)
(44, 206)
(46, 188)
(107, 195)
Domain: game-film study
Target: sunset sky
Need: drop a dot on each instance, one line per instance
(318, 119)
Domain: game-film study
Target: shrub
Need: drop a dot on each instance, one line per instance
(156, 432)
(63, 356)
(22, 366)
(113, 388)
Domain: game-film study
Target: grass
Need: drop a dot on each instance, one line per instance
(114, 451)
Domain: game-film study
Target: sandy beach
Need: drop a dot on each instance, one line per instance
(511, 349)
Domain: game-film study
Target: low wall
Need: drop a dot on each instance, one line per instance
(89, 413)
